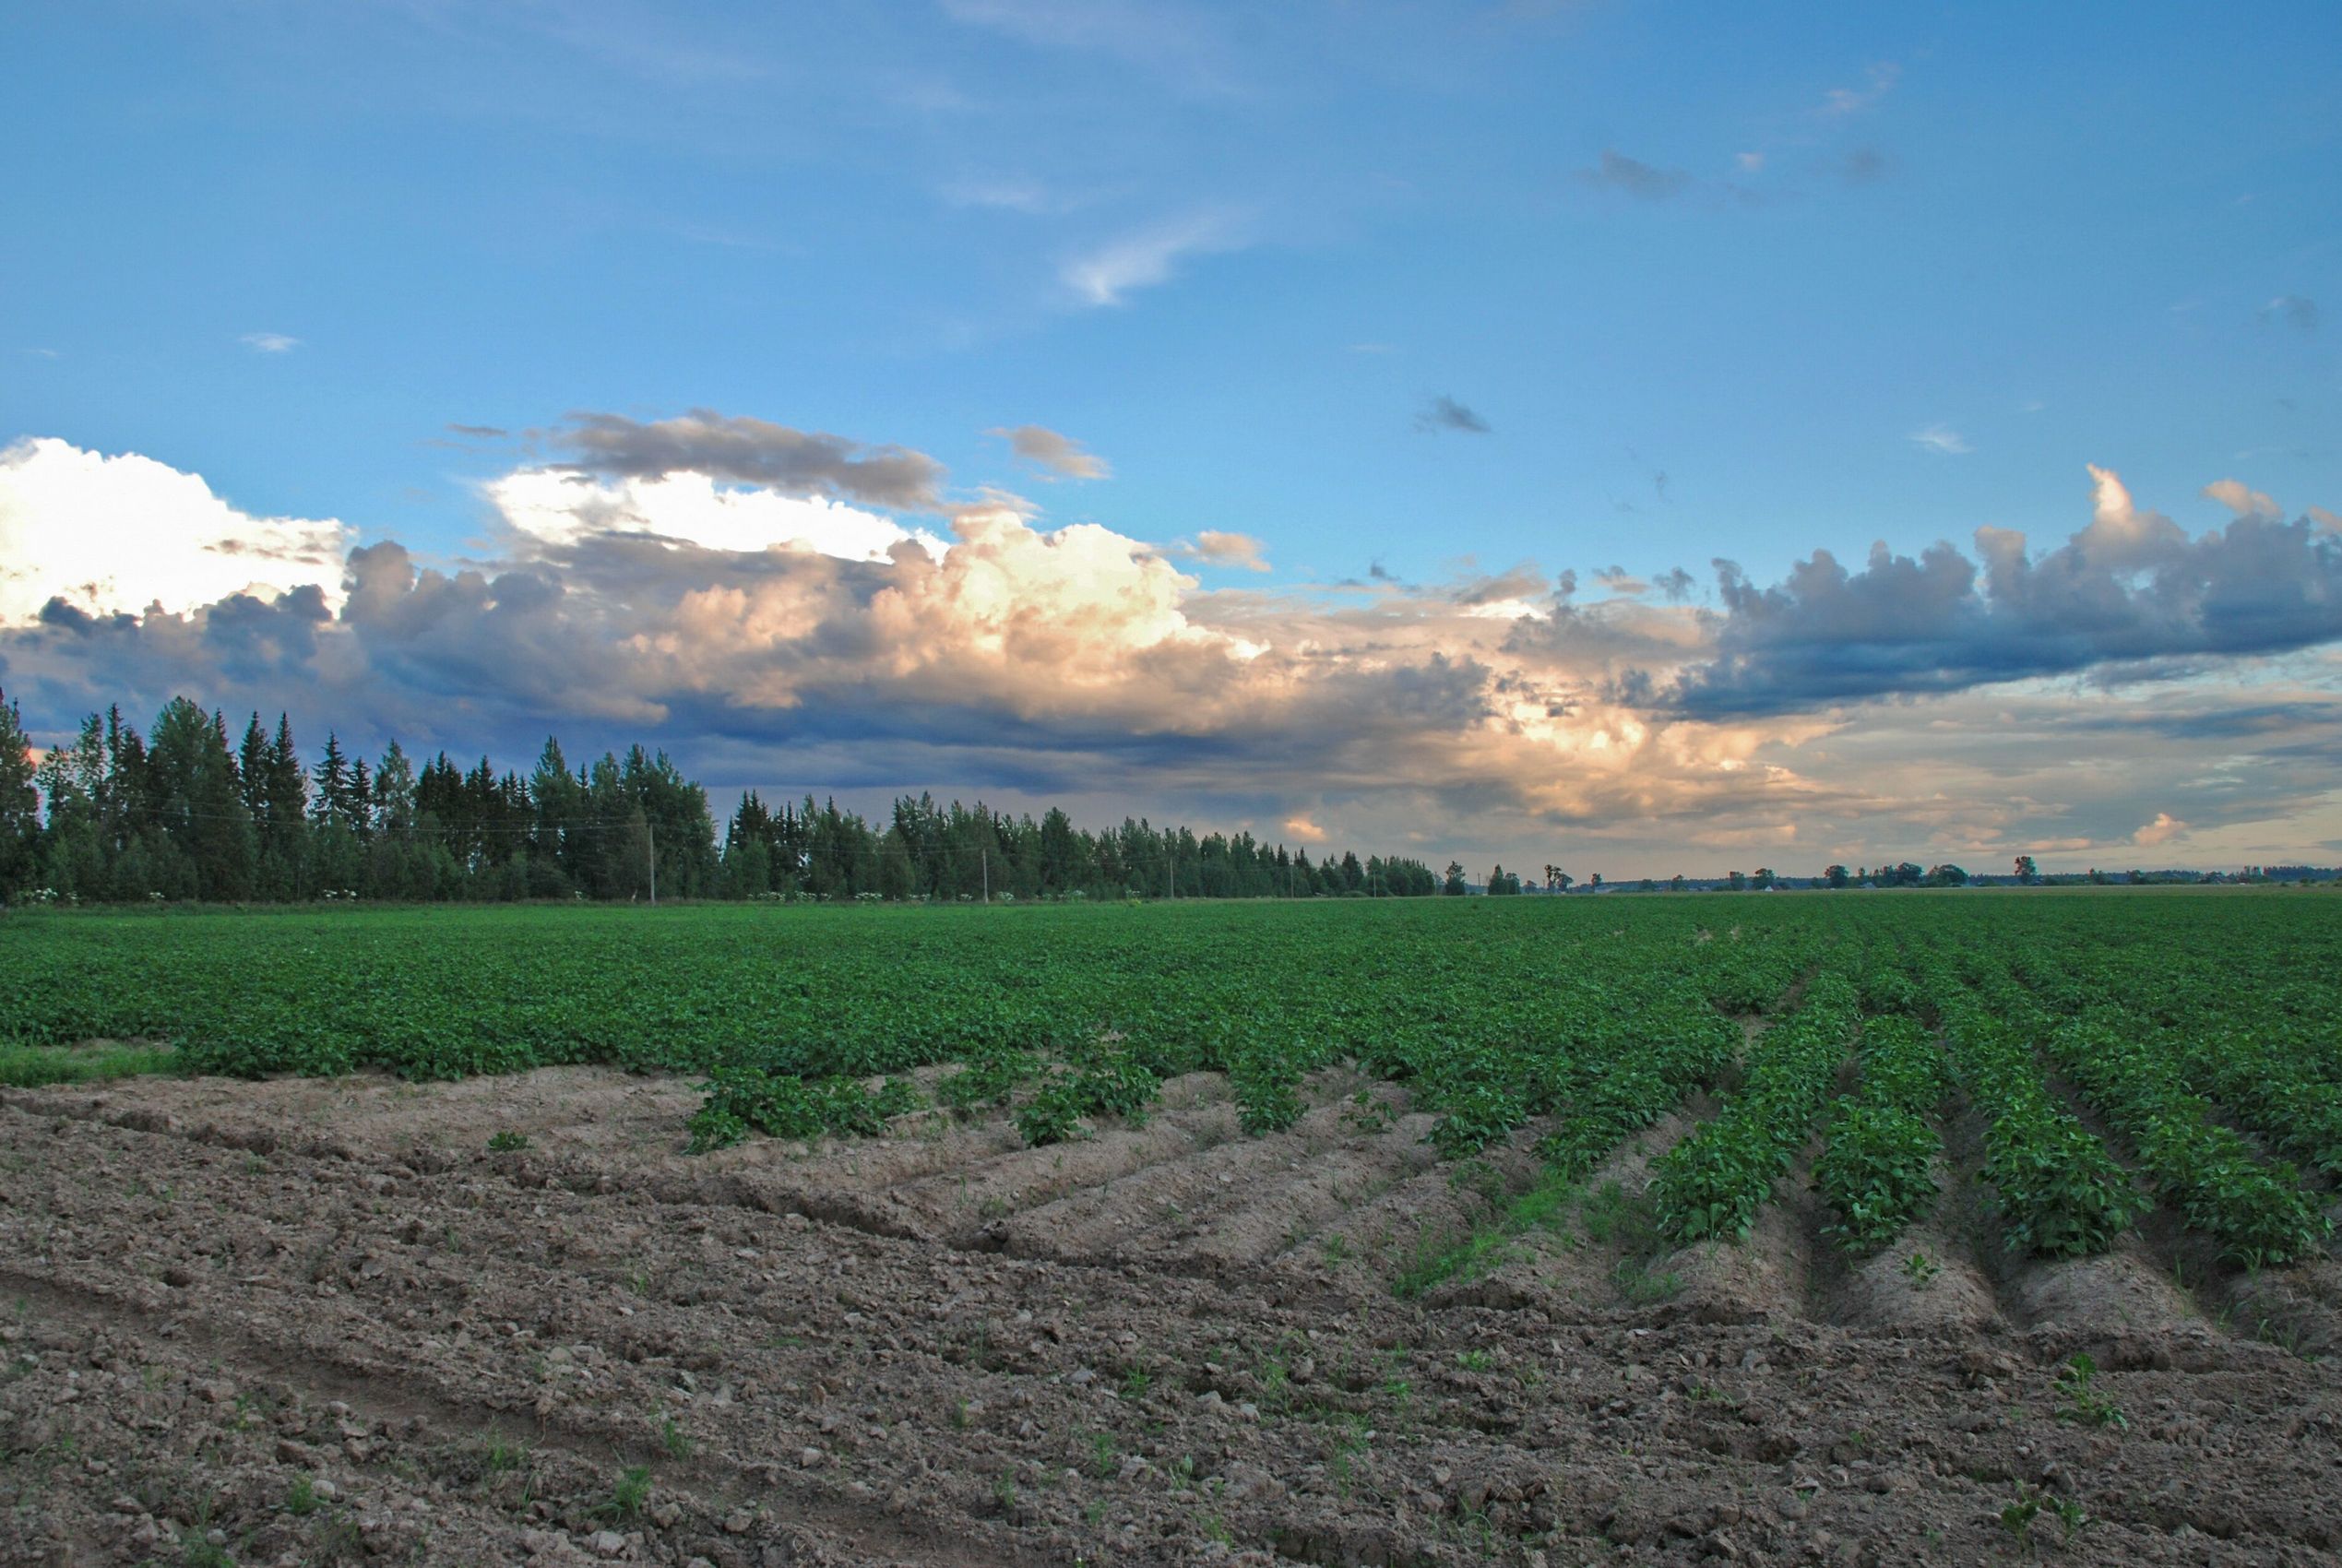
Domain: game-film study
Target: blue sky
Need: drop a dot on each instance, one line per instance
(1718, 283)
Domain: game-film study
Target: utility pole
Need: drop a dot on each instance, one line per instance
(650, 831)
(984, 861)
(1171, 876)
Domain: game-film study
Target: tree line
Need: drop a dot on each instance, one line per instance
(181, 811)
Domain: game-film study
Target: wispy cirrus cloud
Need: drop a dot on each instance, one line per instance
(1110, 273)
(1879, 80)
(1006, 194)
(1168, 40)
(1942, 440)
(270, 342)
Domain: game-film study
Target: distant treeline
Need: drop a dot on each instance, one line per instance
(182, 811)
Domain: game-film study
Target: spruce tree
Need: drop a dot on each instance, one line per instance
(20, 801)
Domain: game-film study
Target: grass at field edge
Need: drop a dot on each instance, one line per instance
(32, 1067)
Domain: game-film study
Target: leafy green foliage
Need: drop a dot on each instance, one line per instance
(1877, 1172)
(2081, 1403)
(1264, 1099)
(2257, 1209)
(1054, 1114)
(2059, 1191)
(1711, 1185)
(2198, 1029)
(741, 1100)
(1878, 1169)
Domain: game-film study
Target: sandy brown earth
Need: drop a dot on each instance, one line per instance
(320, 1322)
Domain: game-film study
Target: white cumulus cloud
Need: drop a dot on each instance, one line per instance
(2242, 499)
(109, 534)
(559, 507)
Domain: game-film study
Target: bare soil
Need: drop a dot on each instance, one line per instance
(321, 1322)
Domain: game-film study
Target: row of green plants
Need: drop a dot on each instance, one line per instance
(2058, 1190)
(2257, 1209)
(2148, 1037)
(1877, 1169)
(2281, 1092)
(2247, 1031)
(1712, 1183)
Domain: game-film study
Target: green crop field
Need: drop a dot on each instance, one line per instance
(2120, 1051)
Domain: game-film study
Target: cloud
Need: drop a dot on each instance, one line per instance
(1748, 163)
(751, 451)
(1005, 193)
(1163, 38)
(558, 507)
(1943, 440)
(768, 638)
(109, 534)
(794, 630)
(2162, 830)
(1061, 455)
(481, 432)
(1222, 549)
(270, 342)
(1878, 81)
(1619, 172)
(2243, 501)
(2292, 310)
(1305, 830)
(1864, 166)
(1443, 412)
(2131, 588)
(1675, 584)
(1110, 273)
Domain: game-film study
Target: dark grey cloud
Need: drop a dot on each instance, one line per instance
(751, 451)
(479, 431)
(1635, 178)
(2126, 595)
(1445, 412)
(2287, 721)
(1675, 584)
(2296, 311)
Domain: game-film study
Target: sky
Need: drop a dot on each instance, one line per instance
(1640, 436)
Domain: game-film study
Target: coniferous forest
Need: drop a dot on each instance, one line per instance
(187, 810)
